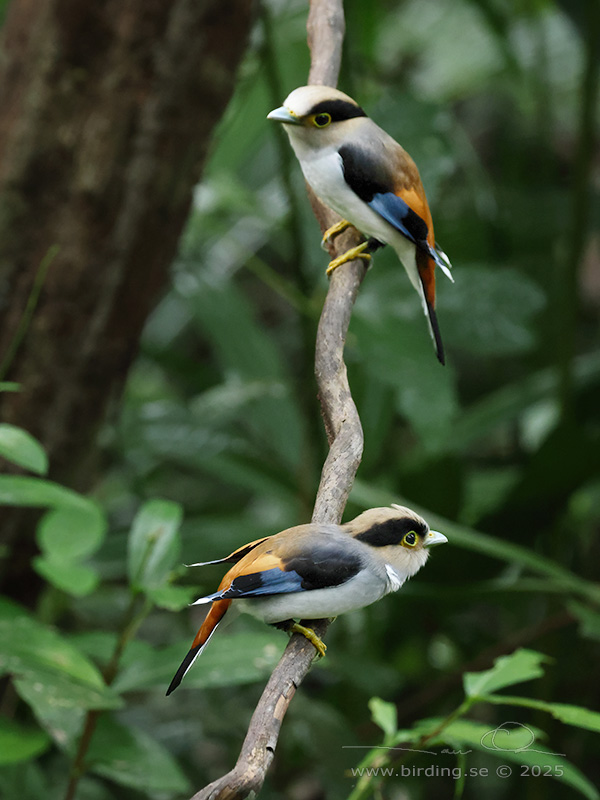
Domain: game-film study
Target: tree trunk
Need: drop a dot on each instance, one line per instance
(106, 112)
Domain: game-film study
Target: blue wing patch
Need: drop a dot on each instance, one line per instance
(269, 581)
(394, 210)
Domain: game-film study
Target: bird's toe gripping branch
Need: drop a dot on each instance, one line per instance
(350, 255)
(312, 637)
(332, 232)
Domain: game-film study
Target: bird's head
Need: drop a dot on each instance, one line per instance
(397, 535)
(318, 115)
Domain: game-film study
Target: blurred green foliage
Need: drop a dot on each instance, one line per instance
(500, 450)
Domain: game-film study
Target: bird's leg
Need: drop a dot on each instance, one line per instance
(289, 626)
(332, 232)
(349, 255)
(362, 250)
(312, 637)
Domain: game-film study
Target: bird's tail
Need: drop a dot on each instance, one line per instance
(427, 277)
(208, 627)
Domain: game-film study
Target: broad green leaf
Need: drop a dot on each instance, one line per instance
(131, 758)
(26, 644)
(20, 490)
(9, 386)
(569, 714)
(522, 665)
(71, 533)
(230, 660)
(384, 715)
(59, 703)
(75, 579)
(173, 598)
(153, 543)
(21, 448)
(20, 743)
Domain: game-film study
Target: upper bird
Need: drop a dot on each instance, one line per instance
(317, 571)
(367, 178)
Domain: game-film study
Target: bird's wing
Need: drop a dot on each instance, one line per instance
(313, 562)
(389, 183)
(232, 558)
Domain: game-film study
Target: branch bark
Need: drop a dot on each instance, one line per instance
(344, 432)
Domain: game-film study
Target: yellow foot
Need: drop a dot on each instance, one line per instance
(349, 255)
(312, 637)
(332, 232)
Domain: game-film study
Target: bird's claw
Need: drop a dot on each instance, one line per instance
(349, 255)
(312, 637)
(332, 232)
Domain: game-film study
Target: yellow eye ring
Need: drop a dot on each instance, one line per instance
(409, 539)
(322, 120)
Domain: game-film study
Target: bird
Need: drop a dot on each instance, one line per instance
(366, 177)
(316, 571)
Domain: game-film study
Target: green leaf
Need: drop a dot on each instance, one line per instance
(21, 448)
(154, 544)
(569, 714)
(131, 758)
(20, 743)
(10, 386)
(71, 533)
(522, 665)
(173, 598)
(59, 703)
(26, 644)
(384, 715)
(231, 659)
(74, 579)
(20, 490)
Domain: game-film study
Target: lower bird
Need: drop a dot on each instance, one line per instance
(317, 571)
(367, 178)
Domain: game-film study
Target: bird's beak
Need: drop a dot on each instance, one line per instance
(434, 537)
(282, 114)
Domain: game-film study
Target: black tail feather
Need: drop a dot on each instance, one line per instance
(183, 668)
(435, 333)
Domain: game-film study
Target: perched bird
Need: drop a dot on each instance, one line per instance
(367, 178)
(317, 571)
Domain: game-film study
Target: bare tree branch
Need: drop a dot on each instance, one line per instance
(344, 432)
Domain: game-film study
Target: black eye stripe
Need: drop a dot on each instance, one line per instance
(392, 531)
(338, 110)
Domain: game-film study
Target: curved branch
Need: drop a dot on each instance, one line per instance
(344, 432)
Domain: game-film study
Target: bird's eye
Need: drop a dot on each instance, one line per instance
(322, 120)
(410, 539)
